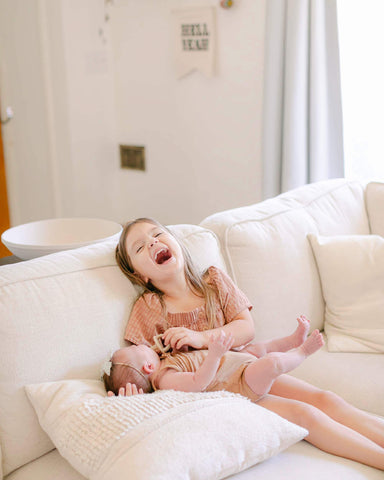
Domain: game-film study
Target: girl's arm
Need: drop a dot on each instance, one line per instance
(241, 328)
(198, 381)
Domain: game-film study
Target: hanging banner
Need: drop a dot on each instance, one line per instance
(194, 40)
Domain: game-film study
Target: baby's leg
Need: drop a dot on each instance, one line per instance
(261, 374)
(259, 349)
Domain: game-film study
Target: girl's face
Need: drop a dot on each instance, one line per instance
(154, 253)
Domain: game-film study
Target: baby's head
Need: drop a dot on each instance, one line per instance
(132, 364)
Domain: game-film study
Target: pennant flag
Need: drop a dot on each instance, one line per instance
(194, 39)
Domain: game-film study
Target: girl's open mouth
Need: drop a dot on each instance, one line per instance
(163, 256)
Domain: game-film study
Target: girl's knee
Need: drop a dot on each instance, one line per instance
(306, 415)
(326, 400)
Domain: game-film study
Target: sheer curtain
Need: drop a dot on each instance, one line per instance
(302, 124)
(362, 80)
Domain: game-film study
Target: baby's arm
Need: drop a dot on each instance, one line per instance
(198, 381)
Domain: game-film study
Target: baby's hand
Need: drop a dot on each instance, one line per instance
(127, 391)
(220, 344)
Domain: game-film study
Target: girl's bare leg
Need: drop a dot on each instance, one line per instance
(261, 373)
(325, 433)
(333, 405)
(297, 338)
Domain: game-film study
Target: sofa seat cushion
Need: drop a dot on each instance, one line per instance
(356, 377)
(269, 256)
(303, 461)
(294, 463)
(51, 466)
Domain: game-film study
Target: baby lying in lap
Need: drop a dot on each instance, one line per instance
(216, 368)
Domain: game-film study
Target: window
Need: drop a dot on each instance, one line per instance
(361, 37)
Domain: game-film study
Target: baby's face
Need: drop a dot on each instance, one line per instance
(137, 355)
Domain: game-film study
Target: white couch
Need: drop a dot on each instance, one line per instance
(62, 314)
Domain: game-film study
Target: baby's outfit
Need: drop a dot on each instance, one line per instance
(147, 318)
(229, 376)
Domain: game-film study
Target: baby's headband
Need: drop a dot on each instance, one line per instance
(106, 367)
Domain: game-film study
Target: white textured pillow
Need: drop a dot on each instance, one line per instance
(352, 277)
(163, 435)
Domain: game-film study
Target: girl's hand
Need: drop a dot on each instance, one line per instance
(127, 391)
(179, 337)
(220, 344)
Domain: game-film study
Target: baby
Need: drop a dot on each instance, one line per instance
(216, 368)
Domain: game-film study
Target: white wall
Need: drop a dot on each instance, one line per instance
(202, 136)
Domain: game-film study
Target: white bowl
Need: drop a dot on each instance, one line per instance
(43, 237)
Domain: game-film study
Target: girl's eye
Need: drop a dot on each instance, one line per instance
(139, 249)
(158, 234)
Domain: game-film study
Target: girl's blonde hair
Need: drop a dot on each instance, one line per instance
(194, 278)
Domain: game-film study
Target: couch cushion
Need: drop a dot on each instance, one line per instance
(302, 461)
(352, 276)
(42, 468)
(356, 377)
(60, 317)
(202, 244)
(291, 464)
(375, 207)
(268, 254)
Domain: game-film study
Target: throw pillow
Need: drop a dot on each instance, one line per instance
(351, 269)
(166, 434)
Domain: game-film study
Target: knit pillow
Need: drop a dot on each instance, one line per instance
(166, 434)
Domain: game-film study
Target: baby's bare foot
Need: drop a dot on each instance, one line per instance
(300, 334)
(313, 343)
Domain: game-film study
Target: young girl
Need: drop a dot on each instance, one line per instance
(186, 308)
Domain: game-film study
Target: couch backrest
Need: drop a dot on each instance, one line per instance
(269, 257)
(60, 317)
(374, 196)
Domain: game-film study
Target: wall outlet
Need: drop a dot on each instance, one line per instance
(132, 157)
